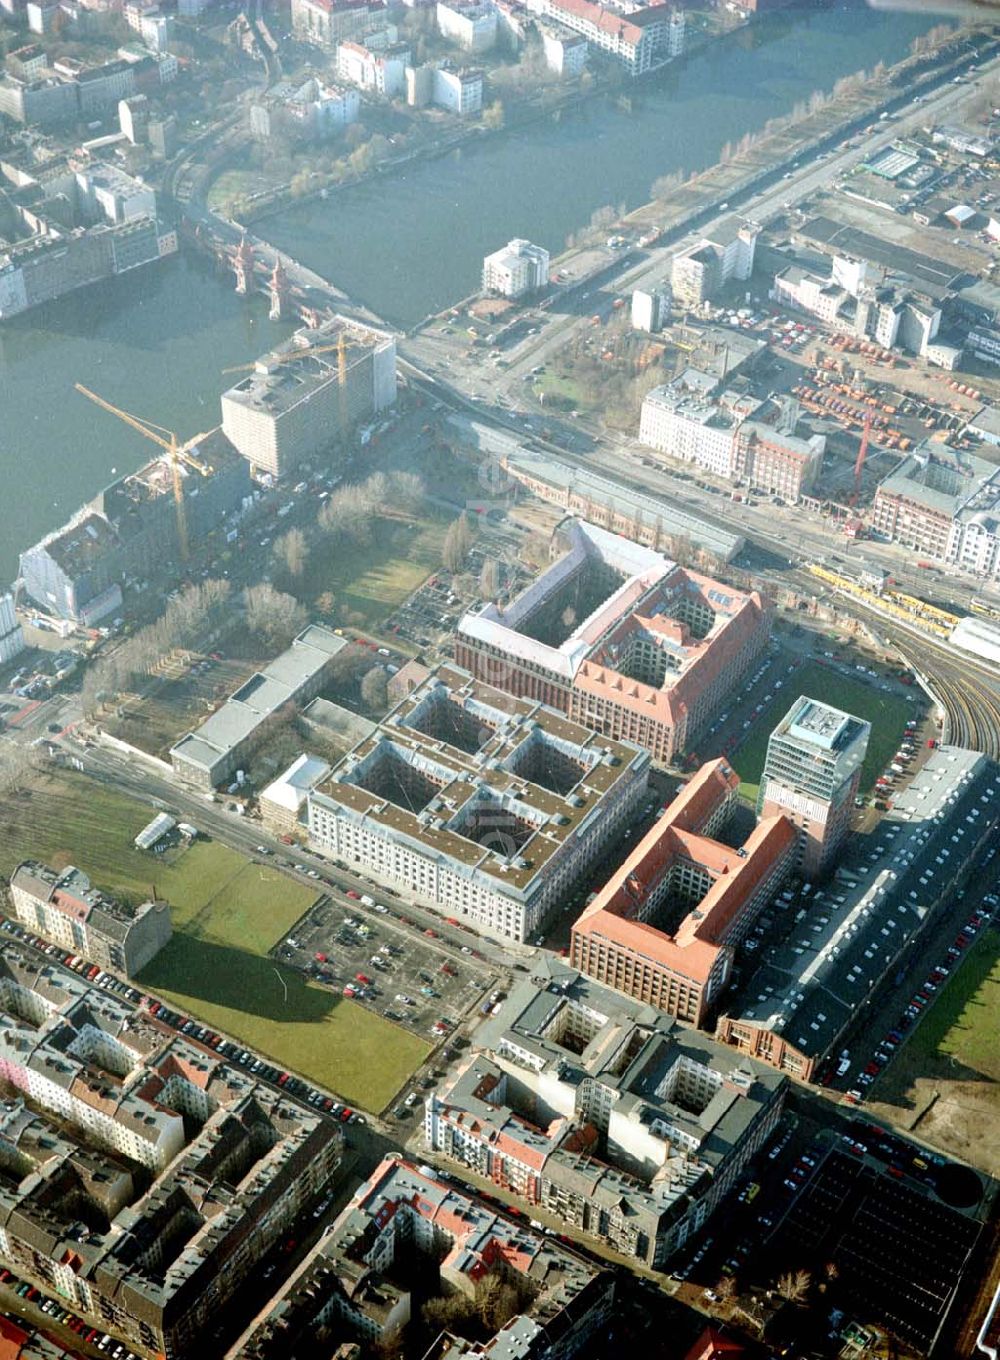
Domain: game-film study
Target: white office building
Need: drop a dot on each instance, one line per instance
(515, 271)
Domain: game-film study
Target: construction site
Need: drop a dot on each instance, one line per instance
(302, 400)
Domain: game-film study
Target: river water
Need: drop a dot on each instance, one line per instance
(155, 342)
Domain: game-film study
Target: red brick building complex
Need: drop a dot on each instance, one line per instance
(664, 928)
(621, 639)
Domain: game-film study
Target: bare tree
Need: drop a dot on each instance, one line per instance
(292, 551)
(406, 491)
(726, 1288)
(457, 542)
(794, 1285)
(375, 689)
(489, 579)
(273, 616)
(326, 604)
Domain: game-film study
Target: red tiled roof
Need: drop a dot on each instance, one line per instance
(12, 1338)
(693, 951)
(602, 19)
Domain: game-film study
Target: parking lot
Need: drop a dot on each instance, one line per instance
(413, 979)
(875, 1206)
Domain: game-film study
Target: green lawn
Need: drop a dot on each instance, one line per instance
(887, 714)
(963, 1022)
(227, 913)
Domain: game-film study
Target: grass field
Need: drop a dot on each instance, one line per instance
(227, 913)
(963, 1022)
(887, 714)
(370, 581)
(945, 1083)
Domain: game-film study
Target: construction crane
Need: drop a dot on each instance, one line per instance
(178, 455)
(305, 353)
(859, 462)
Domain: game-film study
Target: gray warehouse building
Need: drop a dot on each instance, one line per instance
(213, 752)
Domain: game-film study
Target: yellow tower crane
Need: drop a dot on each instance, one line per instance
(178, 454)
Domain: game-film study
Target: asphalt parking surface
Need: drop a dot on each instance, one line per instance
(411, 964)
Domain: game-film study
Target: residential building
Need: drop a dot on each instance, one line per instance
(665, 927)
(641, 38)
(115, 228)
(332, 22)
(299, 404)
(79, 571)
(488, 808)
(184, 1171)
(811, 774)
(100, 87)
(656, 651)
(459, 92)
(698, 275)
(353, 1287)
(212, 753)
(849, 940)
(616, 1119)
(155, 29)
(468, 23)
(63, 906)
(515, 271)
(607, 504)
(944, 503)
(565, 52)
(381, 72)
(650, 310)
(732, 436)
(11, 633)
(312, 111)
(133, 118)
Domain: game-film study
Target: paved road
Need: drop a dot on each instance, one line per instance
(462, 380)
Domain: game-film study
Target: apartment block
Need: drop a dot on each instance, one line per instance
(795, 1010)
(641, 39)
(732, 436)
(143, 1177)
(355, 1288)
(616, 1119)
(470, 25)
(811, 774)
(943, 503)
(516, 270)
(621, 639)
(298, 403)
(665, 927)
(63, 906)
(488, 808)
(382, 73)
(459, 92)
(332, 22)
(698, 275)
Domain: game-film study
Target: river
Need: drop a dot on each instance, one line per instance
(155, 342)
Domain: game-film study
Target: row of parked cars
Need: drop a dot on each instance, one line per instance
(184, 1024)
(91, 1336)
(920, 1000)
